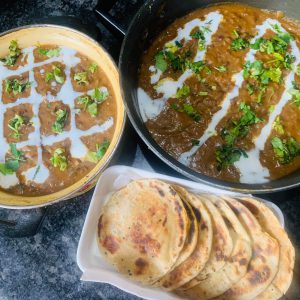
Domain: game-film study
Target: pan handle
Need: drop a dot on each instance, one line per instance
(102, 12)
(108, 21)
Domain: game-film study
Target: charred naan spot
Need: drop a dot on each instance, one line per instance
(100, 225)
(251, 207)
(111, 244)
(141, 265)
(243, 262)
(234, 209)
(172, 191)
(160, 191)
(144, 242)
(220, 255)
(197, 214)
(152, 211)
(165, 221)
(259, 277)
(191, 232)
(204, 226)
(178, 209)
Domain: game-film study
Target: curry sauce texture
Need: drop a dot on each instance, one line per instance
(57, 115)
(219, 90)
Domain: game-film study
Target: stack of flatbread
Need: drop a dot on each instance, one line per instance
(199, 246)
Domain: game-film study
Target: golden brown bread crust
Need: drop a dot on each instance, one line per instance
(142, 229)
(265, 258)
(196, 262)
(270, 224)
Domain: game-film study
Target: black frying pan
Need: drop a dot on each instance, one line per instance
(149, 21)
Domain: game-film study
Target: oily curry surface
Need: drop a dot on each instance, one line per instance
(57, 118)
(219, 91)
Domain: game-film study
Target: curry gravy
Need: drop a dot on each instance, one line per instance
(55, 130)
(218, 89)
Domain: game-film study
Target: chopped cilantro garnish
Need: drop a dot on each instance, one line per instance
(49, 52)
(160, 62)
(271, 108)
(278, 126)
(183, 92)
(91, 102)
(12, 164)
(60, 122)
(257, 71)
(228, 153)
(81, 78)
(250, 88)
(296, 94)
(59, 160)
(93, 68)
(13, 53)
(285, 149)
(188, 109)
(55, 75)
(99, 153)
(298, 70)
(99, 95)
(197, 66)
(239, 43)
(221, 69)
(15, 125)
(276, 44)
(16, 86)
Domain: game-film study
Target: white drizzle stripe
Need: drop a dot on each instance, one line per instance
(151, 108)
(238, 80)
(67, 95)
(251, 169)
(168, 87)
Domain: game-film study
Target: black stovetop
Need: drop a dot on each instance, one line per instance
(43, 266)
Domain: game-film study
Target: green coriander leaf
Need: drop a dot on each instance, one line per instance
(183, 92)
(81, 78)
(160, 62)
(16, 86)
(49, 52)
(99, 95)
(93, 68)
(93, 109)
(5, 170)
(13, 53)
(59, 160)
(60, 122)
(221, 69)
(278, 126)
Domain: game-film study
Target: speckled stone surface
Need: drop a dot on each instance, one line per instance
(44, 266)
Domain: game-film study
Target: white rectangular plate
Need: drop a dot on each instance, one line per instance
(90, 260)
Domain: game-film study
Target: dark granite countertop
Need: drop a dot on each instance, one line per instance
(44, 266)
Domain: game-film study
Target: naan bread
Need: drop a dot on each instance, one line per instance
(271, 225)
(236, 264)
(222, 245)
(196, 262)
(265, 258)
(192, 235)
(142, 229)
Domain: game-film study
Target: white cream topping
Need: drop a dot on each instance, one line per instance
(150, 108)
(67, 95)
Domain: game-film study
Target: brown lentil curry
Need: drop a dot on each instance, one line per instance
(58, 112)
(219, 90)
